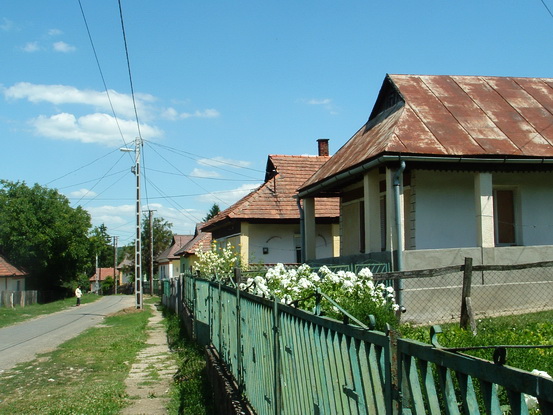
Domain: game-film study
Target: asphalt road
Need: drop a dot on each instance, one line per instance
(23, 341)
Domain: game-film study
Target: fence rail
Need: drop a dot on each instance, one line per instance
(288, 361)
(18, 298)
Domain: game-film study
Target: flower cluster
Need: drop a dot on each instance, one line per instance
(343, 286)
(217, 262)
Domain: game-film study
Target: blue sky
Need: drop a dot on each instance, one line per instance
(219, 85)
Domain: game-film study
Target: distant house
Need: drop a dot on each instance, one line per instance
(168, 261)
(100, 275)
(446, 167)
(265, 225)
(12, 278)
(125, 271)
(188, 253)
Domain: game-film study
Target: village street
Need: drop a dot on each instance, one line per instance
(23, 341)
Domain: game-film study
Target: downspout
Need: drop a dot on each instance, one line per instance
(302, 232)
(397, 183)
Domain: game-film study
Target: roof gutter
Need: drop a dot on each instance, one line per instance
(369, 165)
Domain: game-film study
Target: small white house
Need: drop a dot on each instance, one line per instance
(446, 167)
(11, 277)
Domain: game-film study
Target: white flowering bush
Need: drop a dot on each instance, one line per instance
(356, 293)
(218, 261)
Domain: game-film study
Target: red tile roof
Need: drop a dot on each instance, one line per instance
(200, 242)
(103, 273)
(274, 200)
(452, 116)
(9, 270)
(178, 242)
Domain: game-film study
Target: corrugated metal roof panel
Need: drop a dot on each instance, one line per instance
(454, 116)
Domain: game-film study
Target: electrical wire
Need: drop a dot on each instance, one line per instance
(101, 178)
(198, 157)
(129, 69)
(82, 167)
(189, 178)
(102, 74)
(547, 8)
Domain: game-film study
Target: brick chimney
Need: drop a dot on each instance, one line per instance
(323, 146)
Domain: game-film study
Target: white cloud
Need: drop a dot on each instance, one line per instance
(173, 114)
(201, 173)
(6, 25)
(54, 32)
(64, 94)
(229, 197)
(223, 162)
(326, 103)
(83, 193)
(93, 128)
(63, 47)
(31, 47)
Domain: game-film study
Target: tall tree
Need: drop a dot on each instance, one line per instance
(100, 245)
(42, 233)
(213, 211)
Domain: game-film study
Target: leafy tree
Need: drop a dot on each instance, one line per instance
(212, 212)
(163, 236)
(100, 244)
(42, 233)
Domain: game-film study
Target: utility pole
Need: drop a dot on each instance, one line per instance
(137, 240)
(151, 219)
(115, 277)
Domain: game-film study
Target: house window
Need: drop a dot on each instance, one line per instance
(297, 244)
(504, 217)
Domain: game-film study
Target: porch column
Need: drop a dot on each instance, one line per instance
(371, 198)
(309, 228)
(483, 189)
(335, 229)
(244, 243)
(391, 232)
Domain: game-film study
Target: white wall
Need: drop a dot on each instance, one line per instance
(444, 210)
(281, 242)
(12, 284)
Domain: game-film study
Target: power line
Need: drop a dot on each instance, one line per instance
(129, 69)
(198, 157)
(102, 74)
(189, 178)
(547, 8)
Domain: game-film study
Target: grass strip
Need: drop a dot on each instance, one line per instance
(85, 375)
(191, 392)
(525, 329)
(9, 316)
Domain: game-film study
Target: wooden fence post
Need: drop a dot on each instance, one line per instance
(467, 315)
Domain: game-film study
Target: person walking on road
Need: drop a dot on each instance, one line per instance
(78, 294)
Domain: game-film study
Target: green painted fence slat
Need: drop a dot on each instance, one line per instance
(287, 361)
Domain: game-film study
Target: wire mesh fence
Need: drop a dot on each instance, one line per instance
(435, 296)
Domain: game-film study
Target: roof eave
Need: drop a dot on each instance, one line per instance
(349, 174)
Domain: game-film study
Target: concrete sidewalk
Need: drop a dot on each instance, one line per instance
(151, 376)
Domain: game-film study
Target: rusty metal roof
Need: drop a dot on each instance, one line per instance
(452, 116)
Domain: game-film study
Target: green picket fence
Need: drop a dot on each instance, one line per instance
(288, 361)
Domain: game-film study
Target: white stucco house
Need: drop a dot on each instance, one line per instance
(446, 167)
(264, 226)
(12, 278)
(168, 262)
